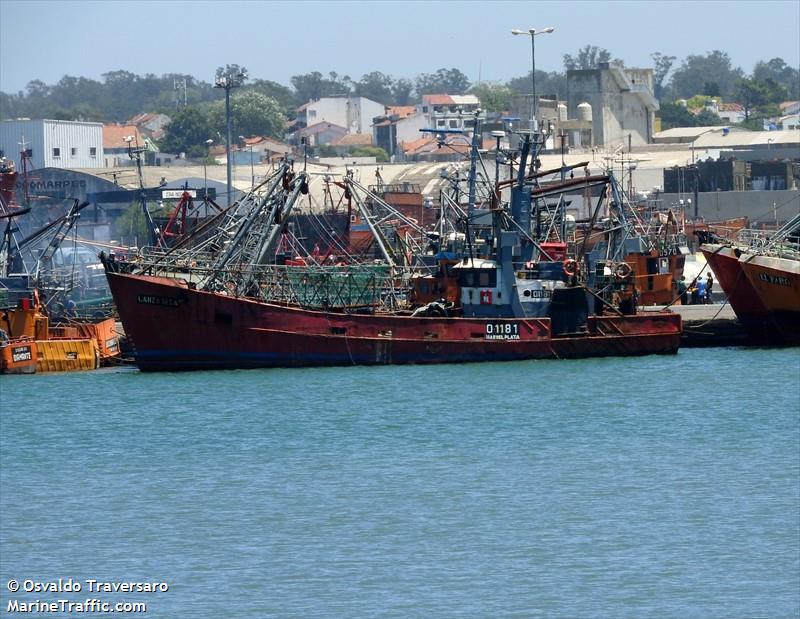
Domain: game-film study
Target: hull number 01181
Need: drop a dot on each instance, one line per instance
(502, 331)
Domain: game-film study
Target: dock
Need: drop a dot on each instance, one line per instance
(706, 326)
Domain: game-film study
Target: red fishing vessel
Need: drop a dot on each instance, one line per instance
(776, 280)
(761, 279)
(743, 298)
(232, 306)
(175, 327)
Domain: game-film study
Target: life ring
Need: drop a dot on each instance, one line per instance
(571, 267)
(622, 270)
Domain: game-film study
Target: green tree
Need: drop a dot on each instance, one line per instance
(588, 57)
(251, 114)
(401, 91)
(283, 95)
(751, 95)
(662, 65)
(707, 118)
(780, 73)
(375, 86)
(450, 81)
(675, 115)
(187, 132)
(313, 86)
(369, 151)
(494, 97)
(697, 73)
(546, 84)
(758, 96)
(131, 225)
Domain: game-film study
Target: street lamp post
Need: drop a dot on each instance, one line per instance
(532, 32)
(227, 81)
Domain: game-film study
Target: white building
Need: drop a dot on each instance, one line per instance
(732, 113)
(353, 113)
(445, 111)
(53, 143)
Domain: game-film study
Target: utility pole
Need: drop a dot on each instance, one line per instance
(230, 77)
(177, 85)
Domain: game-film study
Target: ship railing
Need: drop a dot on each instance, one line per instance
(753, 238)
(315, 287)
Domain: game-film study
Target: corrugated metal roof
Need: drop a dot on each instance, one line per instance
(689, 132)
(747, 138)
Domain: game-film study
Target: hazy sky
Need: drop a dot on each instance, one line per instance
(46, 40)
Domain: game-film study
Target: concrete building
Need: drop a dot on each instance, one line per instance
(322, 133)
(151, 125)
(53, 143)
(355, 114)
(397, 126)
(732, 113)
(622, 103)
(449, 111)
(256, 149)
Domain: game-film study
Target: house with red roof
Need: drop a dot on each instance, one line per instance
(453, 112)
(115, 144)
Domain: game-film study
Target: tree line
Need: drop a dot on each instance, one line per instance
(263, 106)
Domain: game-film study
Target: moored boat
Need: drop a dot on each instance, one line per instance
(17, 355)
(761, 279)
(31, 344)
(776, 281)
(743, 298)
(175, 327)
(509, 298)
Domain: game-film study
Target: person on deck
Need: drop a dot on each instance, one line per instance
(701, 290)
(709, 287)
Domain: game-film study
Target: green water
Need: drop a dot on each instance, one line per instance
(648, 487)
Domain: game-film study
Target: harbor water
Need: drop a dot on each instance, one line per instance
(641, 487)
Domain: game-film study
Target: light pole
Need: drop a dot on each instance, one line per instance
(252, 171)
(229, 80)
(532, 32)
(208, 143)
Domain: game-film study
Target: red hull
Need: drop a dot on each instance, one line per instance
(752, 299)
(777, 283)
(173, 327)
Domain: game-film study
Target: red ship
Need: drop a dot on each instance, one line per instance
(762, 283)
(175, 327)
(231, 306)
(776, 280)
(743, 299)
